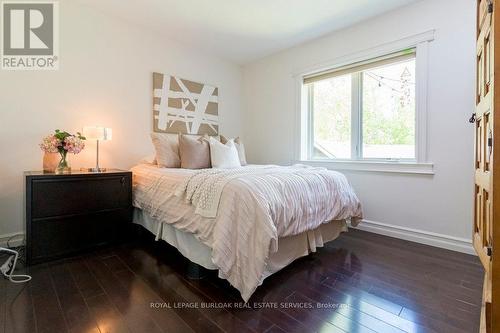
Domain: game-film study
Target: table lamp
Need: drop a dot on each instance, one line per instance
(99, 134)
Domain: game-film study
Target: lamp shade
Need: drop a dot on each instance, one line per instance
(97, 133)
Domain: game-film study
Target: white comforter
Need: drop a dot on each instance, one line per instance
(242, 213)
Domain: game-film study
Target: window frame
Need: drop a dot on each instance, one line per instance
(356, 118)
(304, 118)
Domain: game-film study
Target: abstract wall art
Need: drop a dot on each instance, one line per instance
(184, 106)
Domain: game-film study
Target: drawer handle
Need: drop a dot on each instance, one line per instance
(122, 180)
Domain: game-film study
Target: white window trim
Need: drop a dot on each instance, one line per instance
(374, 166)
(421, 165)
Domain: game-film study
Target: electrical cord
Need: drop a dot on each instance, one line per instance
(19, 248)
(7, 269)
(9, 266)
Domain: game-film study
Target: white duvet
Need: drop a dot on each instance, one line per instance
(240, 214)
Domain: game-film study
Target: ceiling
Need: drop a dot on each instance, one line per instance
(245, 30)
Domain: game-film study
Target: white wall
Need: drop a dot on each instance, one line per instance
(105, 77)
(432, 209)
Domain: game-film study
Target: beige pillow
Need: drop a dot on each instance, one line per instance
(239, 146)
(167, 150)
(194, 152)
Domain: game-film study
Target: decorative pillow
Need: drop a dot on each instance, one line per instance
(239, 146)
(224, 156)
(194, 152)
(150, 159)
(167, 150)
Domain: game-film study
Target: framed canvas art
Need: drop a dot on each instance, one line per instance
(184, 106)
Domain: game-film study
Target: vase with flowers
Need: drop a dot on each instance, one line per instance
(63, 143)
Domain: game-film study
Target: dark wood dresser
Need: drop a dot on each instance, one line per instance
(67, 214)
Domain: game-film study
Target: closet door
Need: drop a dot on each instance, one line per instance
(486, 132)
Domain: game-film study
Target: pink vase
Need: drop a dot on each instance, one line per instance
(50, 162)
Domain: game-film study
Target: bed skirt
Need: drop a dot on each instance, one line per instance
(289, 248)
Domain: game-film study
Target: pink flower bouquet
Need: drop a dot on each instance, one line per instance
(63, 143)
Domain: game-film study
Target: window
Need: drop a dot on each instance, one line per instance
(363, 111)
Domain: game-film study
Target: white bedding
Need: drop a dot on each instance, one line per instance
(203, 188)
(253, 211)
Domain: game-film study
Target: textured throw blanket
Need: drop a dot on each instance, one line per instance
(203, 188)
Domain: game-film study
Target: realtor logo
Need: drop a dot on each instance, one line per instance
(30, 35)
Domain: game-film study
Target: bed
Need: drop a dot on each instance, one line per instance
(247, 223)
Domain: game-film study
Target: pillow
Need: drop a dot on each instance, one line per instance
(167, 150)
(194, 152)
(239, 146)
(150, 159)
(224, 156)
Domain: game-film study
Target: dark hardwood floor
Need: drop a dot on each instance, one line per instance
(360, 282)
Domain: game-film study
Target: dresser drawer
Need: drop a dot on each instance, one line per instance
(76, 195)
(63, 236)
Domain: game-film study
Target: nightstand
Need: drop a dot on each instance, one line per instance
(71, 213)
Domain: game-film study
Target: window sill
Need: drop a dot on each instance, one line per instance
(374, 166)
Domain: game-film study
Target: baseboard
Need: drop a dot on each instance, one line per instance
(16, 239)
(458, 244)
(419, 236)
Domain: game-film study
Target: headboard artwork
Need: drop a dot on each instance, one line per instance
(183, 106)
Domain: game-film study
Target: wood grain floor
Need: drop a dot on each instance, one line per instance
(360, 282)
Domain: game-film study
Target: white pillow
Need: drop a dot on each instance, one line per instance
(239, 146)
(223, 156)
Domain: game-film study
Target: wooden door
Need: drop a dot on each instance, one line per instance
(487, 129)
